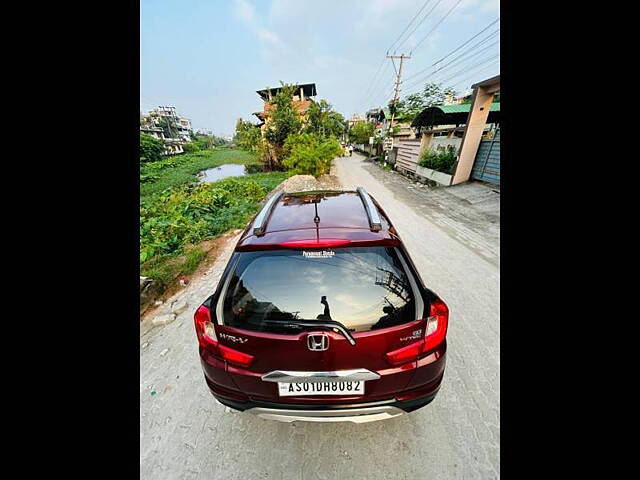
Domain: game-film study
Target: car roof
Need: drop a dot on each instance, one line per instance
(340, 215)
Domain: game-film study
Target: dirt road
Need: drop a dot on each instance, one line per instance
(453, 237)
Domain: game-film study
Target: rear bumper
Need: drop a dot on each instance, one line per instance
(355, 413)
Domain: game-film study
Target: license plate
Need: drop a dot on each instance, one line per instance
(297, 389)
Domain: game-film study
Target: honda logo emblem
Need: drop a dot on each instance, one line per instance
(318, 342)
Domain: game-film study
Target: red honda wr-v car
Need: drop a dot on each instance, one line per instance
(321, 316)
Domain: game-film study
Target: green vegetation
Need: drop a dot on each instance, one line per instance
(323, 120)
(177, 212)
(191, 147)
(441, 161)
(208, 142)
(193, 212)
(432, 94)
(285, 119)
(172, 171)
(165, 269)
(247, 136)
(310, 153)
(150, 148)
(361, 132)
(300, 144)
(201, 142)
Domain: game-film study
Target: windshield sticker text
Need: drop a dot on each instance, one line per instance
(321, 254)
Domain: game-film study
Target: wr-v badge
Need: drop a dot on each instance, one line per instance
(318, 342)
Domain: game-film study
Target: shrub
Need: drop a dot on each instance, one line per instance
(151, 148)
(191, 148)
(441, 161)
(310, 154)
(190, 213)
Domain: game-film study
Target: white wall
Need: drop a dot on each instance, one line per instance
(440, 143)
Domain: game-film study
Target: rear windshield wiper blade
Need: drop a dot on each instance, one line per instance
(325, 323)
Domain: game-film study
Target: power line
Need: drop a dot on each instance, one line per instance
(453, 62)
(378, 91)
(469, 68)
(454, 51)
(375, 87)
(466, 69)
(373, 79)
(409, 24)
(476, 73)
(437, 24)
(459, 56)
(420, 23)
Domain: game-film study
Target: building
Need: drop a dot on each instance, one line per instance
(151, 125)
(479, 154)
(183, 125)
(184, 128)
(472, 130)
(355, 118)
(302, 99)
(376, 116)
(155, 132)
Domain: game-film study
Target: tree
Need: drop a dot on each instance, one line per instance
(361, 132)
(432, 94)
(310, 153)
(284, 120)
(151, 148)
(324, 120)
(247, 135)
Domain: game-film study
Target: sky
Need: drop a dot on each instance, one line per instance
(208, 57)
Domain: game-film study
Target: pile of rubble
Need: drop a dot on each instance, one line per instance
(308, 183)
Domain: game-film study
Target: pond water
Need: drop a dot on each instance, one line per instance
(223, 171)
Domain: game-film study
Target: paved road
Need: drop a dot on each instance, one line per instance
(453, 237)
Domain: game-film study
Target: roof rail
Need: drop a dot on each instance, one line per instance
(374, 219)
(260, 223)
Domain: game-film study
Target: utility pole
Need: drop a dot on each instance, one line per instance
(398, 81)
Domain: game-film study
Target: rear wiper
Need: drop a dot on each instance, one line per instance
(334, 325)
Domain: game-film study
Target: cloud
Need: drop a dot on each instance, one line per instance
(247, 13)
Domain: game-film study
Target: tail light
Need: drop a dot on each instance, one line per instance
(207, 338)
(435, 333)
(204, 327)
(406, 354)
(436, 325)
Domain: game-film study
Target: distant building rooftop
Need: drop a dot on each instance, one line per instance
(309, 90)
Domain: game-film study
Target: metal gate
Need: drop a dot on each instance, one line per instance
(407, 156)
(486, 167)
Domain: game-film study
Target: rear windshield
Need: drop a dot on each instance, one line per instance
(364, 288)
